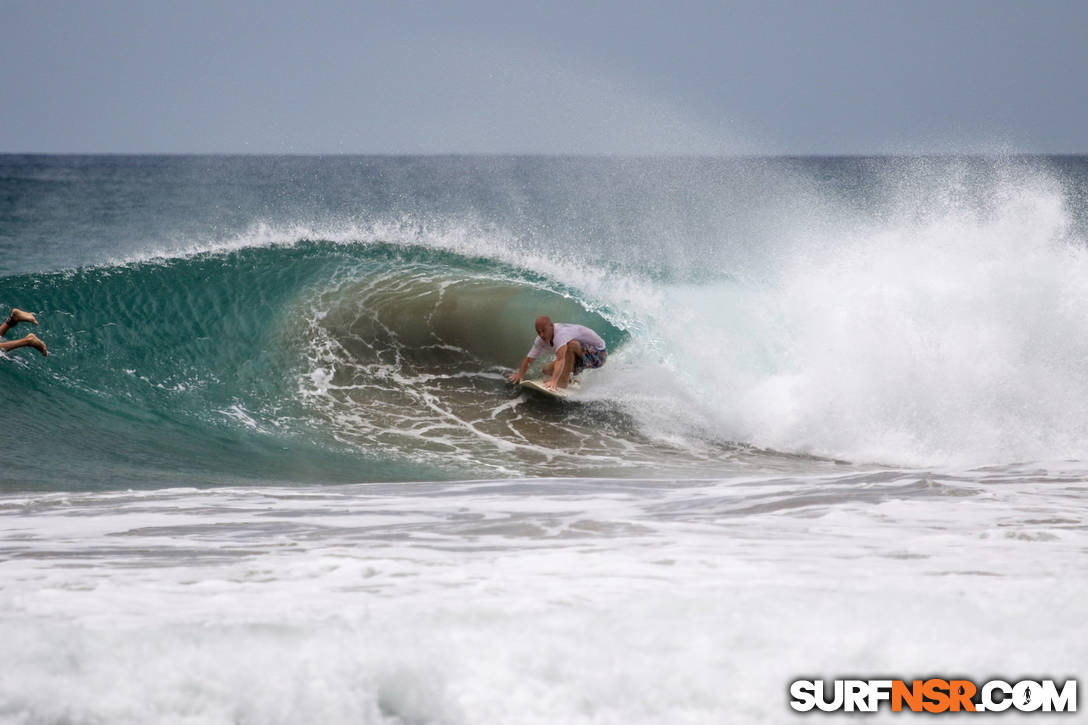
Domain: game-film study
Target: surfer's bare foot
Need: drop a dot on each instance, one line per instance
(35, 342)
(18, 316)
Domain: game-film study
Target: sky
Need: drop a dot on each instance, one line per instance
(544, 77)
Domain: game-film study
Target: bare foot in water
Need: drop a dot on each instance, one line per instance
(33, 341)
(18, 316)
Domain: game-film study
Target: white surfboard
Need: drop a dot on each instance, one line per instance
(538, 386)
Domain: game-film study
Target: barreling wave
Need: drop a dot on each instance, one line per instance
(941, 321)
(414, 362)
(316, 360)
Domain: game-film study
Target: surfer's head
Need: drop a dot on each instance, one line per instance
(545, 328)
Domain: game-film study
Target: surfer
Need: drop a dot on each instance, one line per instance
(576, 348)
(30, 340)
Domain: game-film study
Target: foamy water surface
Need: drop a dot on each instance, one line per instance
(531, 601)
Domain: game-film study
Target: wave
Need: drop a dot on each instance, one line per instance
(317, 360)
(949, 330)
(167, 371)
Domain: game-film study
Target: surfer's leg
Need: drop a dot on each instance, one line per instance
(570, 361)
(548, 369)
(15, 318)
(592, 357)
(30, 340)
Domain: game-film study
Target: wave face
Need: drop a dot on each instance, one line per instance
(302, 361)
(776, 315)
(168, 371)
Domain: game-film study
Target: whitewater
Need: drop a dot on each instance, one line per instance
(272, 469)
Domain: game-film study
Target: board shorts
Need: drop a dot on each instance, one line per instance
(592, 357)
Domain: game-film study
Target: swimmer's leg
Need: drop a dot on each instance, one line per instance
(30, 340)
(15, 318)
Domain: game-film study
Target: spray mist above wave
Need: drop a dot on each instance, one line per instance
(594, 277)
(950, 329)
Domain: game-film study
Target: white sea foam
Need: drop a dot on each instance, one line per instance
(529, 601)
(948, 332)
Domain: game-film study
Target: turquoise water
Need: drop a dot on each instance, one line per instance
(189, 369)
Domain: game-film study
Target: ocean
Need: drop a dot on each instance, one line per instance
(272, 470)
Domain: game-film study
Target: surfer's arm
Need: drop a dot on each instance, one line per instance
(520, 374)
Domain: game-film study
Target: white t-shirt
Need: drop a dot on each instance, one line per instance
(564, 333)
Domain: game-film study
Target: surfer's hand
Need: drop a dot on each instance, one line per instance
(516, 378)
(551, 385)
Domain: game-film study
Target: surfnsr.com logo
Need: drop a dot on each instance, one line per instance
(933, 695)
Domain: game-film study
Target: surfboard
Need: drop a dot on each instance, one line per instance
(538, 386)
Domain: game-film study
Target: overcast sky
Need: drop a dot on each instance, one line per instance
(476, 76)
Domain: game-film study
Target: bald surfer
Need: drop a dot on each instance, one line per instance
(30, 340)
(576, 348)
